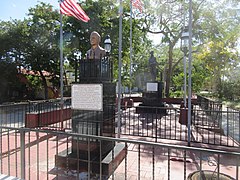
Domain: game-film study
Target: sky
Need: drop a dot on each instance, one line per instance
(17, 9)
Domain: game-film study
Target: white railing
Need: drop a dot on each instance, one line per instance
(34, 154)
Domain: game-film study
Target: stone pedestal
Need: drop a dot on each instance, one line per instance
(107, 164)
(98, 122)
(152, 97)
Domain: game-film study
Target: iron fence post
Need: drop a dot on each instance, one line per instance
(22, 150)
(239, 129)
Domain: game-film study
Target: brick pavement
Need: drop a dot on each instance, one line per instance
(140, 163)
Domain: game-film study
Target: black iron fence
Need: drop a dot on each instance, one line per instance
(209, 104)
(161, 123)
(223, 120)
(206, 127)
(214, 127)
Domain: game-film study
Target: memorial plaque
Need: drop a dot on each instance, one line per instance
(87, 97)
(152, 87)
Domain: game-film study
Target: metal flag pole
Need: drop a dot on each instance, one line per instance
(184, 61)
(61, 70)
(119, 67)
(190, 73)
(130, 88)
(185, 80)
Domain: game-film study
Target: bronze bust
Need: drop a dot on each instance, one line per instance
(96, 51)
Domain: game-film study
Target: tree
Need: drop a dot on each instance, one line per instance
(13, 38)
(219, 37)
(166, 18)
(11, 58)
(33, 42)
(211, 22)
(41, 50)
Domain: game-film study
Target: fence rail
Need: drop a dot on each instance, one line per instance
(31, 154)
(36, 114)
(208, 104)
(222, 129)
(215, 127)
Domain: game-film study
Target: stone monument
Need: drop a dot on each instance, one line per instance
(152, 96)
(93, 113)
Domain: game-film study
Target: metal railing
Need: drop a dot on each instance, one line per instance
(13, 115)
(158, 123)
(32, 154)
(222, 130)
(17, 114)
(208, 104)
(225, 120)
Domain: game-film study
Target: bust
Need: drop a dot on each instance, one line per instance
(96, 51)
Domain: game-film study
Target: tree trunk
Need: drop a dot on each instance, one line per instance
(219, 83)
(44, 83)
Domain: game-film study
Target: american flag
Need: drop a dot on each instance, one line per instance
(137, 4)
(71, 8)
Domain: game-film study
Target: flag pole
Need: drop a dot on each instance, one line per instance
(190, 73)
(69, 8)
(61, 70)
(130, 48)
(119, 67)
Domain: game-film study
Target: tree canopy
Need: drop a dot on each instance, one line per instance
(33, 43)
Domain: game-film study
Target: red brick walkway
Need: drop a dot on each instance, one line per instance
(41, 149)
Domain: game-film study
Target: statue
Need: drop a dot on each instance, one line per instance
(153, 66)
(96, 51)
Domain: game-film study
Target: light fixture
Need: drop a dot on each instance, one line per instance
(184, 49)
(108, 44)
(185, 40)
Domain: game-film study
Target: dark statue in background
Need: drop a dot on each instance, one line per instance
(152, 95)
(152, 62)
(96, 51)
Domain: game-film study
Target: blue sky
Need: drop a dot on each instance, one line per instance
(17, 9)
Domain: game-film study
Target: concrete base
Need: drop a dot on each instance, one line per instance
(69, 160)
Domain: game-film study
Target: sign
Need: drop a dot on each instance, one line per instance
(87, 97)
(152, 86)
